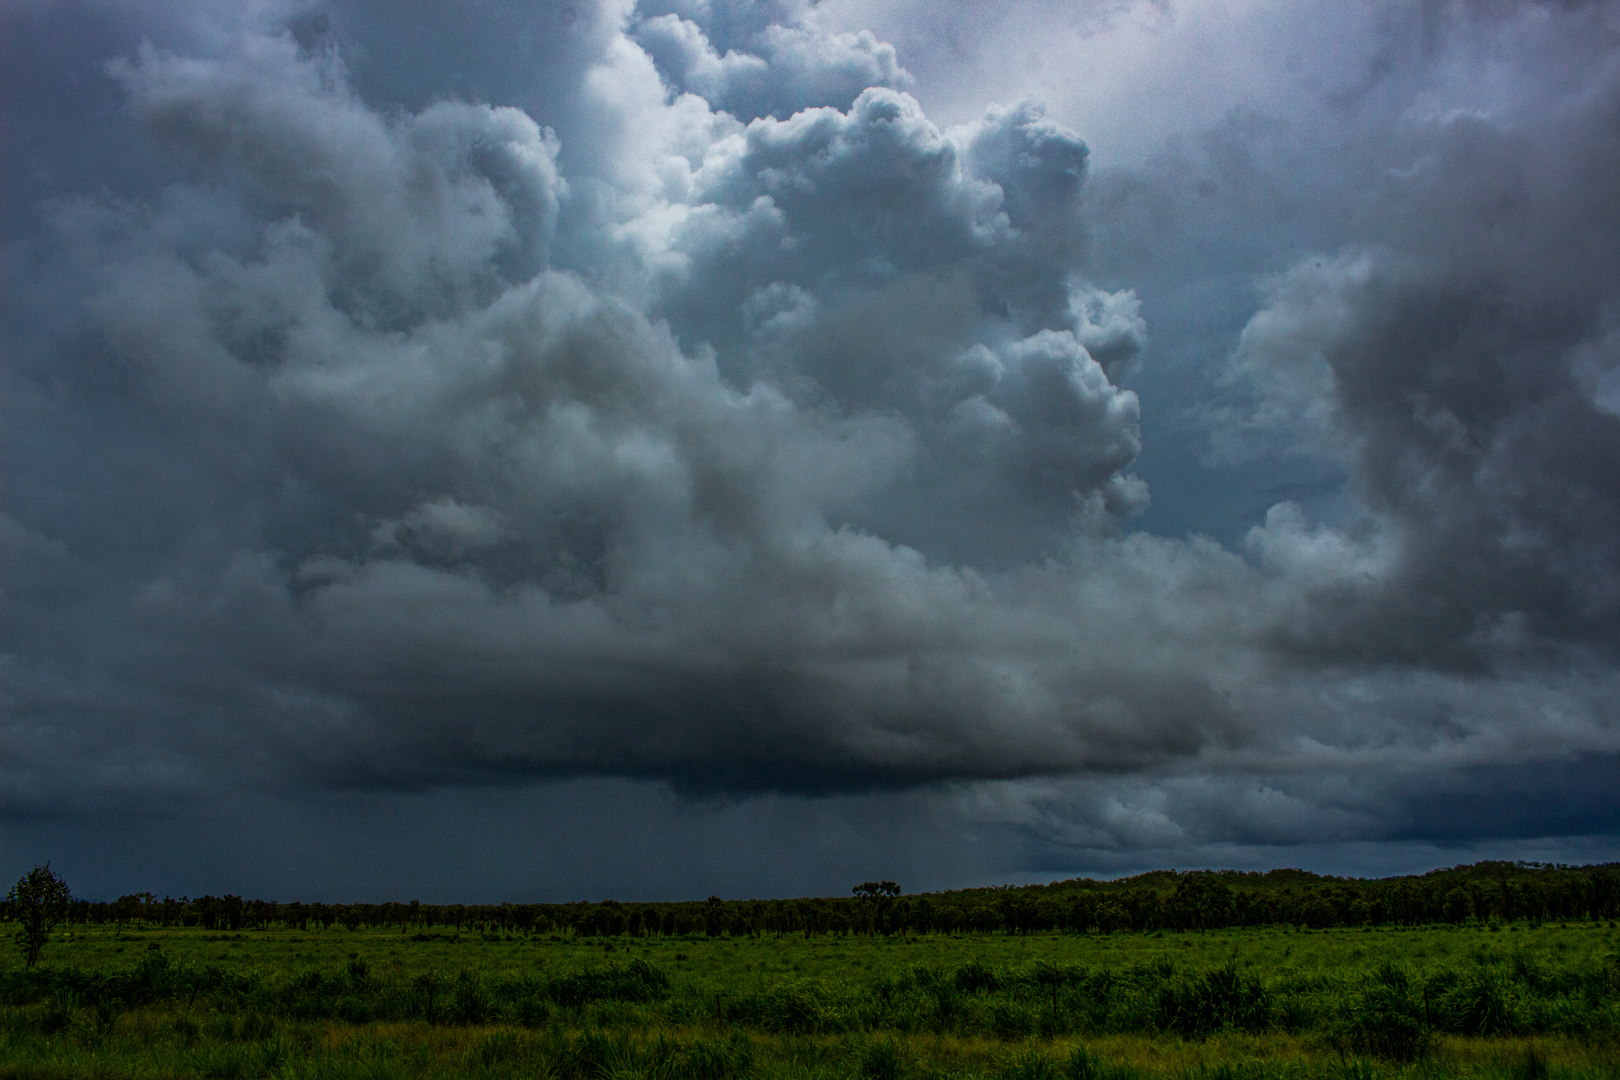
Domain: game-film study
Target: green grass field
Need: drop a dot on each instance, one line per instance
(1478, 1001)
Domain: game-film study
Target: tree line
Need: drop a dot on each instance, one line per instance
(1159, 900)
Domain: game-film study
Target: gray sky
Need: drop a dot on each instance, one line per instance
(559, 450)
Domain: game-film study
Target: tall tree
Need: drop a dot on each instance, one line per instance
(38, 902)
(875, 897)
(714, 916)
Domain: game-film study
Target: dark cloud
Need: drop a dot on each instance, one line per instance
(506, 397)
(1452, 357)
(573, 840)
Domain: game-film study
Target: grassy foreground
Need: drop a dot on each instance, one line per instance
(1473, 1001)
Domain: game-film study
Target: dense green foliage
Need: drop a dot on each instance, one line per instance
(1475, 1000)
(1495, 970)
(38, 900)
(1161, 900)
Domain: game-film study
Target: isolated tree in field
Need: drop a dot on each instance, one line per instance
(38, 902)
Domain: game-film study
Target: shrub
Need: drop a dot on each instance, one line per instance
(715, 1060)
(945, 1007)
(1084, 1065)
(974, 977)
(1386, 1019)
(792, 1009)
(497, 1049)
(636, 981)
(531, 1010)
(881, 1061)
(1217, 999)
(60, 1013)
(470, 1003)
(225, 1062)
(1010, 1019)
(1477, 1004)
(1029, 1065)
(1530, 1067)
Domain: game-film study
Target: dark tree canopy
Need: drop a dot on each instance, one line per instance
(1487, 892)
(872, 890)
(38, 902)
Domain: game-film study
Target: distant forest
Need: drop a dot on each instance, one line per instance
(1159, 900)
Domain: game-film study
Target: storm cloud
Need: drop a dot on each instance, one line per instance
(659, 393)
